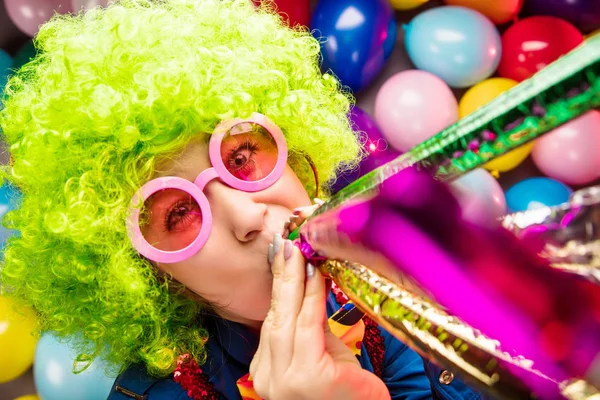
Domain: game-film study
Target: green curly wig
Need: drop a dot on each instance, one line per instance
(113, 92)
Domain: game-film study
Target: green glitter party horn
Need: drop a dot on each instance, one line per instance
(562, 91)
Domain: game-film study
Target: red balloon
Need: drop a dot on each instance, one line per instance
(295, 12)
(532, 43)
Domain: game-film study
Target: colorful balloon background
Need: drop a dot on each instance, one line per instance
(457, 44)
(536, 192)
(584, 14)
(532, 43)
(17, 338)
(54, 377)
(498, 11)
(360, 36)
(412, 106)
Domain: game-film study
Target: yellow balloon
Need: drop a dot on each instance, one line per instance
(17, 340)
(481, 94)
(407, 4)
(29, 397)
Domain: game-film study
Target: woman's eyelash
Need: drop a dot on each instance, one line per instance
(247, 144)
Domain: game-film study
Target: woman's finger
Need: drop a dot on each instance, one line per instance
(310, 336)
(287, 301)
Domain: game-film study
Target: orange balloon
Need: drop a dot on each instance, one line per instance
(499, 11)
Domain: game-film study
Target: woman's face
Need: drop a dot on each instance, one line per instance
(231, 271)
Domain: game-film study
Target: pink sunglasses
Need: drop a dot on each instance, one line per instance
(175, 220)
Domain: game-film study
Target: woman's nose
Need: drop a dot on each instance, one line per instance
(240, 210)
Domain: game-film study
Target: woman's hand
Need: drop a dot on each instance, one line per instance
(300, 214)
(298, 357)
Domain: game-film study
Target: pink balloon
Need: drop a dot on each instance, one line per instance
(412, 106)
(571, 152)
(88, 4)
(481, 197)
(28, 15)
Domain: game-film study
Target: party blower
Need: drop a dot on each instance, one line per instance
(478, 301)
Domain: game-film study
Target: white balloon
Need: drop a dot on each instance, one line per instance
(481, 197)
(87, 4)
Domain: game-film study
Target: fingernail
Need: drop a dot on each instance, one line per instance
(276, 244)
(310, 270)
(287, 249)
(318, 201)
(271, 255)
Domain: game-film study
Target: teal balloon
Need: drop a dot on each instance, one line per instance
(54, 377)
(24, 55)
(459, 45)
(6, 63)
(10, 198)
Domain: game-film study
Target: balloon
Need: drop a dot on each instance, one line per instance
(28, 15)
(535, 193)
(481, 94)
(24, 55)
(9, 198)
(584, 14)
(28, 397)
(88, 4)
(296, 12)
(377, 149)
(571, 152)
(499, 11)
(17, 340)
(359, 36)
(5, 65)
(459, 45)
(54, 377)
(412, 106)
(532, 43)
(510, 160)
(407, 4)
(481, 197)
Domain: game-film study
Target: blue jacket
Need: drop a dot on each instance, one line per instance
(230, 349)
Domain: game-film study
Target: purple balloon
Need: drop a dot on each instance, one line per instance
(375, 146)
(28, 15)
(584, 14)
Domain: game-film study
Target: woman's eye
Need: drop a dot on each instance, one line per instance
(240, 158)
(181, 215)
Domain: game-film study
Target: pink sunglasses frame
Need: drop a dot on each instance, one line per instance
(195, 189)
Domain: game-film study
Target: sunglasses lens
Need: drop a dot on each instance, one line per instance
(170, 219)
(249, 151)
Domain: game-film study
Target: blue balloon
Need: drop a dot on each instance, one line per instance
(535, 193)
(357, 37)
(54, 377)
(10, 197)
(459, 45)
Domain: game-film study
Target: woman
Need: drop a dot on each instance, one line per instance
(163, 243)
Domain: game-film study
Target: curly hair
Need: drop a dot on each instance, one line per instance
(113, 92)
